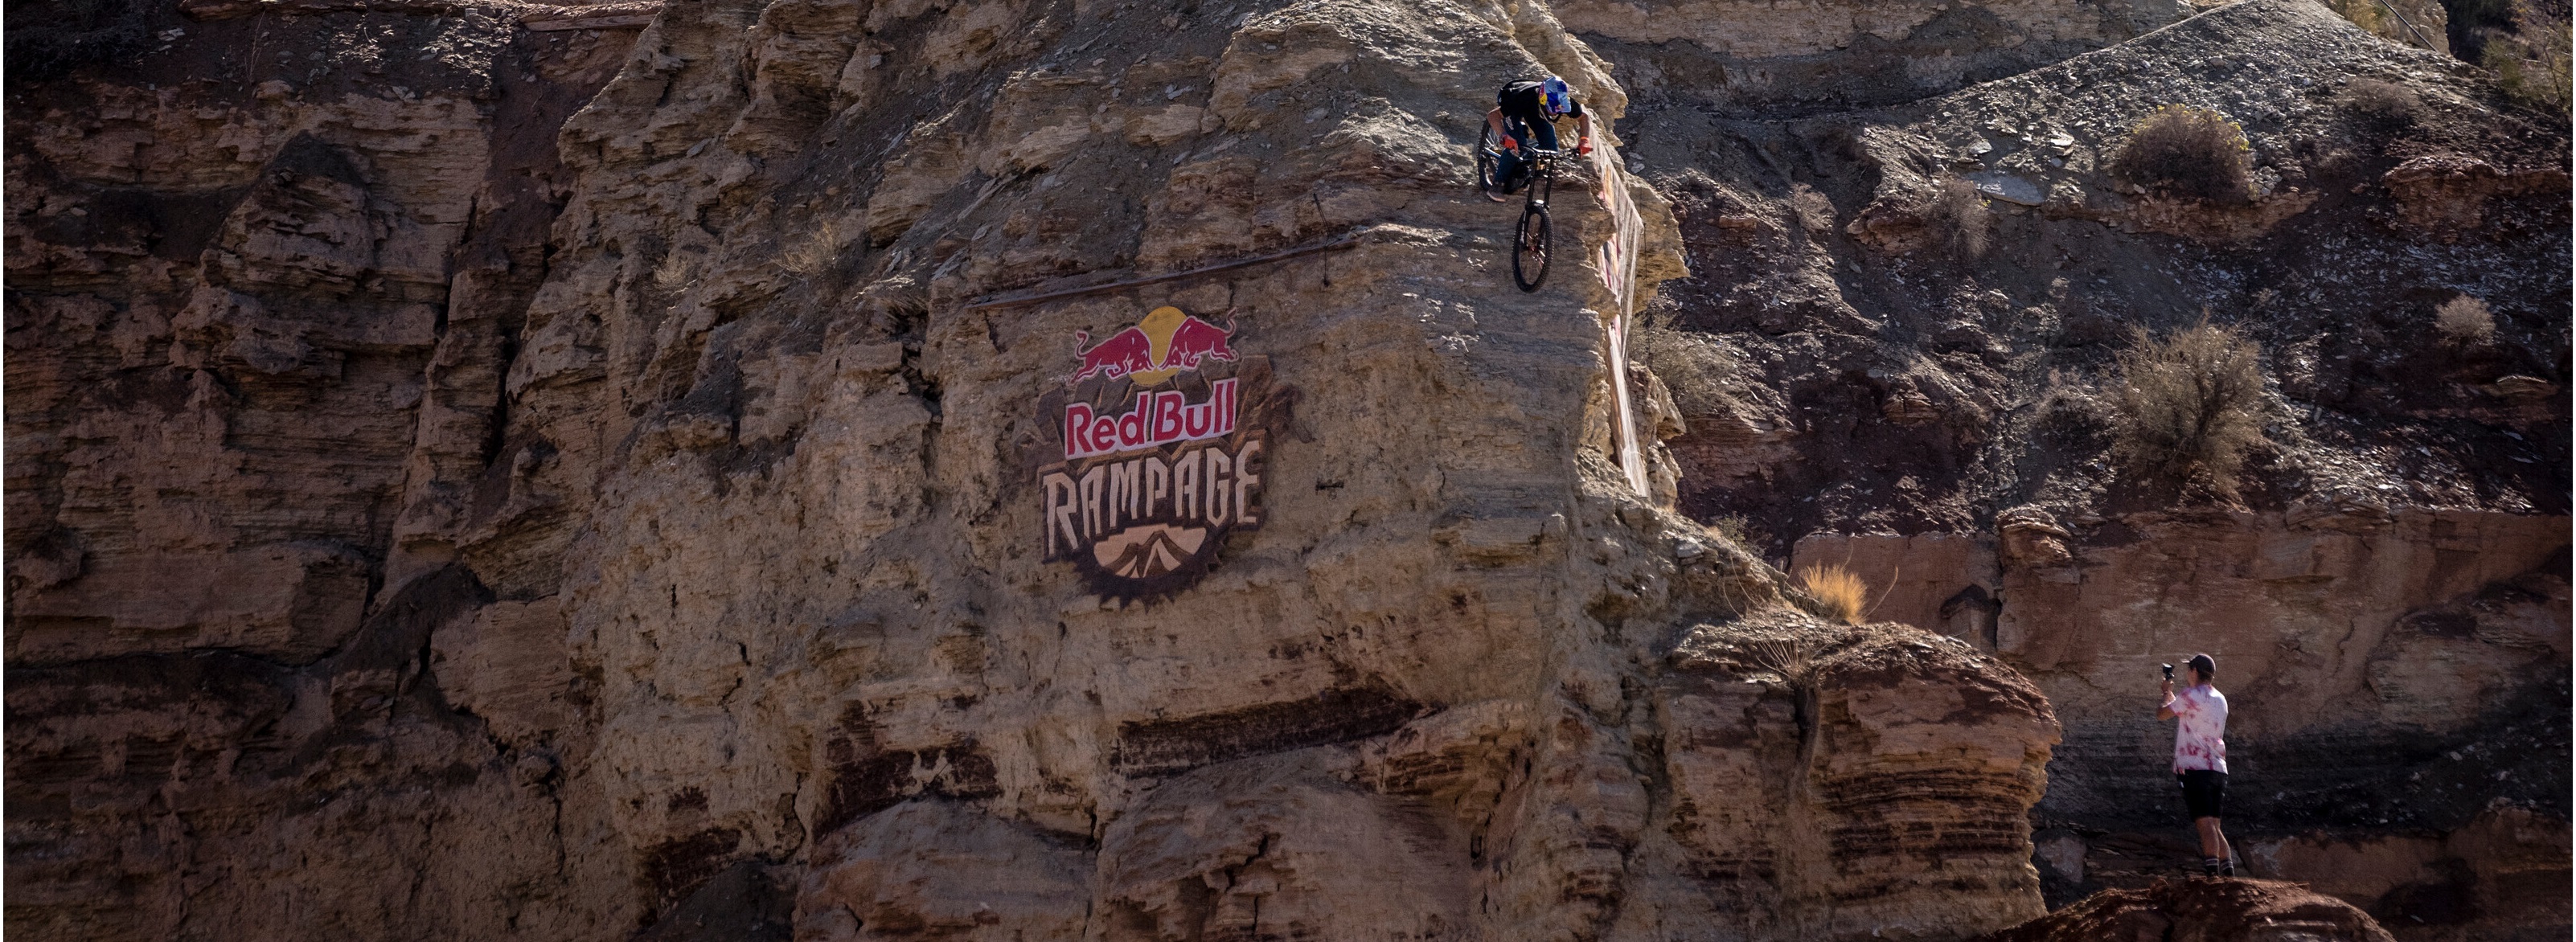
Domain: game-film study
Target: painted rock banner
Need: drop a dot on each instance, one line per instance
(1153, 451)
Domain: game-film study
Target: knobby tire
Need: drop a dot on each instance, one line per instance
(1487, 163)
(1533, 241)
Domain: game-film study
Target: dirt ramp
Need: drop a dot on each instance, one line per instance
(2202, 910)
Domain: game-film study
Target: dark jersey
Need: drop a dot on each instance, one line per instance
(1525, 102)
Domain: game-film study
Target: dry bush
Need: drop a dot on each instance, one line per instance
(1698, 370)
(672, 275)
(2386, 107)
(1814, 210)
(2531, 62)
(1840, 592)
(1793, 658)
(2372, 18)
(814, 255)
(2184, 151)
(2464, 321)
(1958, 213)
(2070, 411)
(1743, 532)
(2190, 402)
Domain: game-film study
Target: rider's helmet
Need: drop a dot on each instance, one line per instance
(1560, 99)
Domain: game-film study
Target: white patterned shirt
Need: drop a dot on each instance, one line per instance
(2200, 738)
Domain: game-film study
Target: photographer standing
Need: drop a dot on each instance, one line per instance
(2200, 757)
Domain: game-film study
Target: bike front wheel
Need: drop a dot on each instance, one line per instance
(1488, 165)
(1530, 248)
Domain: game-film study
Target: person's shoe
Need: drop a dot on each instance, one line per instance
(2227, 868)
(2209, 866)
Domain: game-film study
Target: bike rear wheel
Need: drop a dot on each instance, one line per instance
(1530, 248)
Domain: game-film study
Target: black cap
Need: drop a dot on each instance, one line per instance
(2207, 666)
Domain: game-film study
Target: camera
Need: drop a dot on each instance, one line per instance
(2168, 670)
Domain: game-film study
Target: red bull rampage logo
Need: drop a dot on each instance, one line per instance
(1153, 453)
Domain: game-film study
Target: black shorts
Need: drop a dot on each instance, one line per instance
(2203, 791)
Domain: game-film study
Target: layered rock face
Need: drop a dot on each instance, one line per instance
(238, 261)
(1919, 389)
(674, 527)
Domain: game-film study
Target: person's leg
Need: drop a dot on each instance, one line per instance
(2200, 791)
(1507, 168)
(1545, 134)
(2217, 835)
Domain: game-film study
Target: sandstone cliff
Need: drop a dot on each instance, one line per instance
(427, 524)
(603, 473)
(1872, 379)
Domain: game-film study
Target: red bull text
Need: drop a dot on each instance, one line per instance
(1159, 418)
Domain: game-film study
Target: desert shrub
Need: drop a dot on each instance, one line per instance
(815, 254)
(2464, 321)
(1815, 211)
(2185, 151)
(2531, 61)
(1957, 212)
(2373, 18)
(2386, 107)
(1699, 370)
(2070, 411)
(1839, 592)
(1792, 657)
(1743, 532)
(672, 276)
(2191, 402)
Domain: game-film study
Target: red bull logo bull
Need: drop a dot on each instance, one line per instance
(1165, 344)
(1154, 452)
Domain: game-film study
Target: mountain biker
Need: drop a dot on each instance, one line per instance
(1524, 115)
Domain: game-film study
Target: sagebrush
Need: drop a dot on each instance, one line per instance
(2531, 61)
(2190, 403)
(2385, 107)
(1700, 371)
(2189, 152)
(815, 254)
(1743, 532)
(2464, 320)
(2373, 16)
(1957, 212)
(1838, 591)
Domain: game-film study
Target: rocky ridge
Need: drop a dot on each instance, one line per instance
(1873, 379)
(686, 590)
(428, 524)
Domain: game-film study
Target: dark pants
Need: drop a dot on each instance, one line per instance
(1541, 135)
(2203, 791)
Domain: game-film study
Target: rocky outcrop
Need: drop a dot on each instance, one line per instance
(1913, 382)
(1897, 755)
(259, 279)
(448, 502)
(469, 530)
(2254, 910)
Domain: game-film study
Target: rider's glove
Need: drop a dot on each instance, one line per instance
(1511, 145)
(1583, 146)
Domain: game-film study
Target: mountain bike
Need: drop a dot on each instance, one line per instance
(1536, 176)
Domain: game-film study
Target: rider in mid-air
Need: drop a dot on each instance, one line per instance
(1524, 115)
